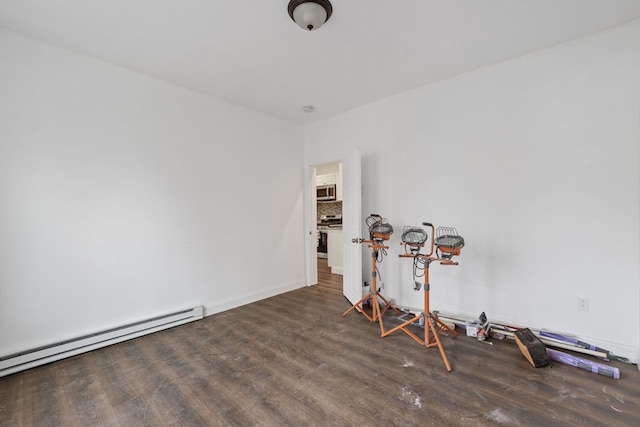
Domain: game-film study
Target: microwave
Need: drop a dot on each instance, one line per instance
(326, 192)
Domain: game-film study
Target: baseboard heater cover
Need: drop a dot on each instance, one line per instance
(39, 356)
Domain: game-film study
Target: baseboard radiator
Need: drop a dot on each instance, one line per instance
(39, 356)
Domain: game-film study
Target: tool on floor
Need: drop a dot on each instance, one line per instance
(587, 365)
(581, 345)
(484, 328)
(446, 243)
(532, 348)
(379, 231)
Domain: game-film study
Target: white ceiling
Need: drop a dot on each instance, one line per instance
(251, 53)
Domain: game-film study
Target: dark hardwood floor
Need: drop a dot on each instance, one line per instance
(294, 360)
(326, 280)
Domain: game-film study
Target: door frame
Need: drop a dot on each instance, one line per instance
(311, 222)
(352, 257)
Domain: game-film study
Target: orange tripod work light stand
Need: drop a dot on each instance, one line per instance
(379, 231)
(448, 244)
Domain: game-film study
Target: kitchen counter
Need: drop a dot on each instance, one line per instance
(334, 249)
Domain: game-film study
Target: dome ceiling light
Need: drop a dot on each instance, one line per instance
(310, 14)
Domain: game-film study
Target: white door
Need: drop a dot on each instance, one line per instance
(351, 227)
(312, 242)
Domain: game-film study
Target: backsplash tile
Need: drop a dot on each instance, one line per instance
(329, 208)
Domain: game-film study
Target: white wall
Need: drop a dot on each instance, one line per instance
(123, 196)
(536, 161)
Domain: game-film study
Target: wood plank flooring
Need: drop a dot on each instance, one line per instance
(294, 360)
(327, 280)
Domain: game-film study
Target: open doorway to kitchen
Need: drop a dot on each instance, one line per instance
(328, 181)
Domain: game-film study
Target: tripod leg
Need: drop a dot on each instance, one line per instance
(358, 306)
(405, 330)
(377, 312)
(442, 325)
(388, 305)
(430, 320)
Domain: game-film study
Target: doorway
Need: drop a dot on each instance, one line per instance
(328, 180)
(350, 191)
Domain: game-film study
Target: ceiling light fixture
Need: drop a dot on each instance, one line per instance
(310, 14)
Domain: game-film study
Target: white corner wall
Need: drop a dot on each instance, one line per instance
(536, 162)
(124, 197)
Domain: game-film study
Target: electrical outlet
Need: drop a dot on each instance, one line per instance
(583, 304)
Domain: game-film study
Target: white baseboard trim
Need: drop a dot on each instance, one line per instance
(241, 300)
(631, 353)
(26, 359)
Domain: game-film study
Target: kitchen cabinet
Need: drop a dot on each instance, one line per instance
(334, 250)
(326, 179)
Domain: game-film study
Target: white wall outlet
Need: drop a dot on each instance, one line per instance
(583, 304)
